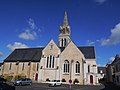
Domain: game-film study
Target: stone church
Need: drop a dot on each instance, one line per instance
(65, 61)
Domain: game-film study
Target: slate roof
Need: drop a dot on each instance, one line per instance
(88, 51)
(62, 48)
(35, 54)
(25, 55)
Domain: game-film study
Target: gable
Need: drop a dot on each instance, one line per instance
(72, 51)
(51, 49)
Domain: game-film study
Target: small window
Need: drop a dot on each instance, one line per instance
(23, 67)
(51, 46)
(37, 66)
(29, 63)
(41, 67)
(88, 68)
(17, 62)
(10, 66)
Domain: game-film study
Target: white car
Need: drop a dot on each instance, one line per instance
(55, 83)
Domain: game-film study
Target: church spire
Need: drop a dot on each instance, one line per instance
(65, 22)
(64, 36)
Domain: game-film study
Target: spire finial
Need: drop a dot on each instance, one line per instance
(65, 22)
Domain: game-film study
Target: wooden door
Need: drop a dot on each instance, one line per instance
(36, 77)
(91, 79)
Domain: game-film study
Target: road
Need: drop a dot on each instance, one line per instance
(63, 87)
(41, 86)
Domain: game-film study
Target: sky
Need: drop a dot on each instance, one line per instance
(33, 23)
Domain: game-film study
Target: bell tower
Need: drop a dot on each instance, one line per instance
(64, 36)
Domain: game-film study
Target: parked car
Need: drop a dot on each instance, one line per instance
(23, 81)
(55, 83)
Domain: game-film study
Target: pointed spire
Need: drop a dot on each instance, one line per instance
(65, 22)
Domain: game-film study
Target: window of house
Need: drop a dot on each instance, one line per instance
(50, 61)
(66, 66)
(37, 66)
(51, 46)
(17, 62)
(29, 63)
(53, 63)
(65, 41)
(47, 62)
(62, 42)
(77, 67)
(88, 68)
(23, 67)
(10, 66)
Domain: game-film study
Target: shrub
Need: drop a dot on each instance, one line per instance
(19, 76)
(9, 78)
(63, 80)
(76, 81)
(47, 79)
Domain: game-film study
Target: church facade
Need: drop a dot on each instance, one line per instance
(65, 61)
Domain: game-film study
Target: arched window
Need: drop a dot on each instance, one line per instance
(66, 66)
(50, 61)
(77, 67)
(88, 68)
(47, 62)
(62, 42)
(65, 42)
(53, 62)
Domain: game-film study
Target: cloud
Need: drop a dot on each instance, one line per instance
(114, 38)
(30, 32)
(110, 60)
(101, 65)
(100, 1)
(28, 35)
(31, 23)
(89, 43)
(1, 54)
(16, 45)
(40, 46)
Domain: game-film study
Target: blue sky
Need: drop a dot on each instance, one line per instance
(33, 23)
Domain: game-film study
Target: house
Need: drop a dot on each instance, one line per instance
(113, 71)
(23, 62)
(1, 68)
(63, 61)
(101, 74)
(117, 69)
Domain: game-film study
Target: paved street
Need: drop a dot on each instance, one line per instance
(40, 86)
(63, 87)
